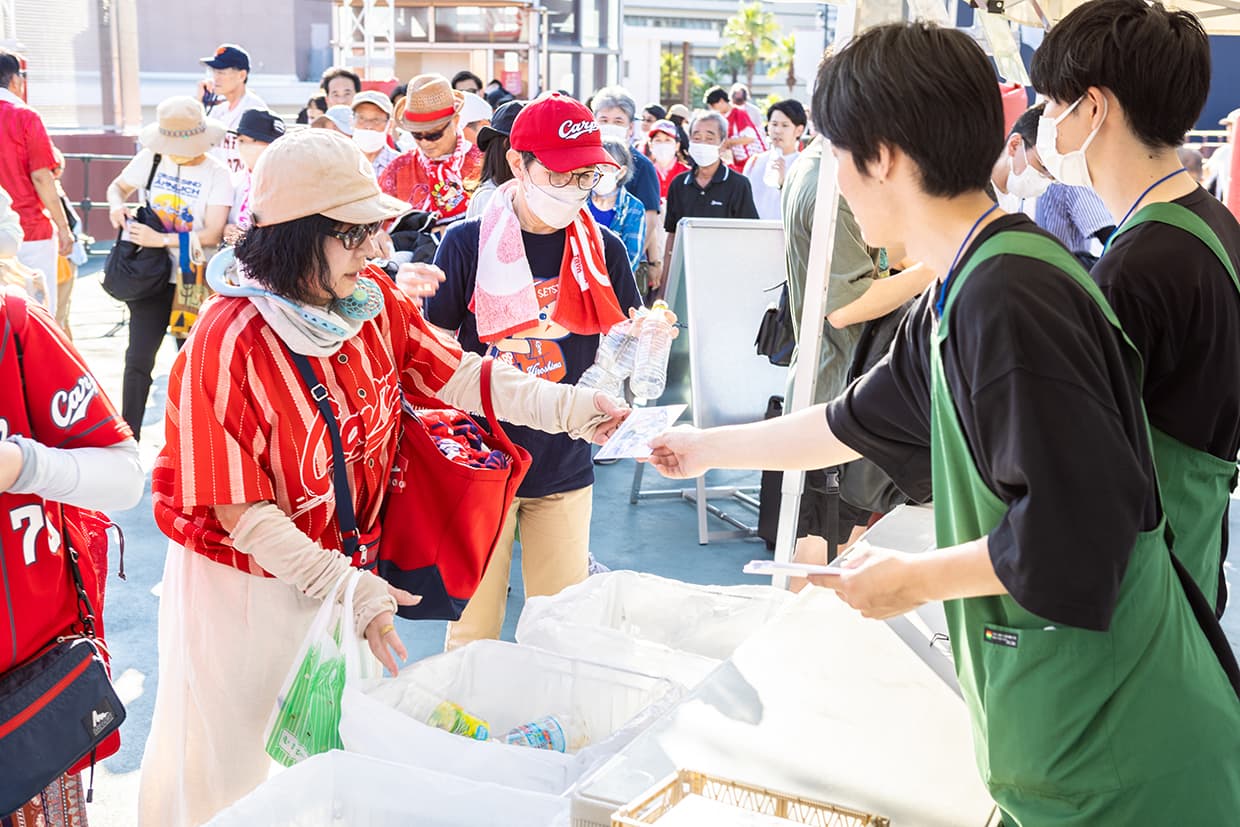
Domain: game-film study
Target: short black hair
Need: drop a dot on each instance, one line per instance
(715, 94)
(926, 89)
(1026, 125)
(319, 102)
(792, 109)
(340, 72)
(465, 74)
(288, 258)
(10, 65)
(398, 93)
(654, 109)
(1156, 62)
(495, 166)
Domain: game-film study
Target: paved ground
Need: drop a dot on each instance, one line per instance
(655, 536)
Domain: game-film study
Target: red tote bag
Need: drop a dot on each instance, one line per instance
(441, 520)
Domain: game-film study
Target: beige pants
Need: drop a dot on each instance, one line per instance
(227, 640)
(555, 551)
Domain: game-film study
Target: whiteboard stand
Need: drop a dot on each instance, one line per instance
(725, 267)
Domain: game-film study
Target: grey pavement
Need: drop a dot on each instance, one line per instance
(654, 536)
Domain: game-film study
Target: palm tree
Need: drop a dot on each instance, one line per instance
(750, 34)
(671, 76)
(785, 61)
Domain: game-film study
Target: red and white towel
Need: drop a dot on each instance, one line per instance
(504, 301)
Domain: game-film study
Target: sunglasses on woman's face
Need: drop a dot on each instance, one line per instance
(356, 235)
(428, 137)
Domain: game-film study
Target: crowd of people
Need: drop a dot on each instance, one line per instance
(1072, 412)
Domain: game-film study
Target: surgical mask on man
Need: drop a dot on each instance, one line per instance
(703, 154)
(1028, 183)
(663, 152)
(607, 184)
(550, 209)
(369, 140)
(613, 132)
(1070, 168)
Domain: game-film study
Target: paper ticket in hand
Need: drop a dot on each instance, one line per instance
(632, 438)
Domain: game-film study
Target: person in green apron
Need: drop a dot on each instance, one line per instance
(1170, 269)
(1098, 693)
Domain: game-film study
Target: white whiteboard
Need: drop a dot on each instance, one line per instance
(720, 294)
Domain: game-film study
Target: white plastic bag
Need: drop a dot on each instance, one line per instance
(305, 720)
(347, 789)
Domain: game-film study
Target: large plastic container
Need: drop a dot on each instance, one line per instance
(506, 685)
(346, 789)
(650, 624)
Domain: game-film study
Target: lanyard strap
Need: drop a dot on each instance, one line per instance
(345, 514)
(1137, 203)
(947, 280)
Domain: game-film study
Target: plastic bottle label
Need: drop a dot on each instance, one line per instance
(448, 716)
(545, 733)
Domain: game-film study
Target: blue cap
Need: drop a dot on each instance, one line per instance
(228, 56)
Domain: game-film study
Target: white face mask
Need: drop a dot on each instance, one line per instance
(405, 141)
(1029, 183)
(550, 209)
(663, 151)
(369, 140)
(607, 184)
(1069, 168)
(704, 154)
(613, 132)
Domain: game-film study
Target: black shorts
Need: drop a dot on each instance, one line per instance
(813, 514)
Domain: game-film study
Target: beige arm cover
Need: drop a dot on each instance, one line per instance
(276, 543)
(525, 400)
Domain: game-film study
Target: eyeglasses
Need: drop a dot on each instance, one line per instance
(355, 236)
(428, 137)
(584, 181)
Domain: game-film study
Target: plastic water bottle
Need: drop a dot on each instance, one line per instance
(614, 361)
(452, 718)
(556, 733)
(654, 345)
(434, 711)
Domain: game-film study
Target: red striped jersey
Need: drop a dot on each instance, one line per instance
(241, 426)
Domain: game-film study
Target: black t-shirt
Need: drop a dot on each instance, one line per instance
(728, 195)
(1049, 405)
(559, 463)
(1181, 309)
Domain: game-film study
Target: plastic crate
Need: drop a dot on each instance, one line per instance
(652, 806)
(651, 624)
(506, 685)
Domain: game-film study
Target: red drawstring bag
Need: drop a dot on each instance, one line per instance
(442, 519)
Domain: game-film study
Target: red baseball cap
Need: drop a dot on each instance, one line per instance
(561, 133)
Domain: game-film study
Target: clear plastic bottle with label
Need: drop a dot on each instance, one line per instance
(654, 344)
(617, 352)
(443, 714)
(558, 733)
(770, 175)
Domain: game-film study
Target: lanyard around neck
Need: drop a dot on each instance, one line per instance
(947, 280)
(1137, 203)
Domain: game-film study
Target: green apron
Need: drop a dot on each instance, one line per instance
(1135, 726)
(1196, 485)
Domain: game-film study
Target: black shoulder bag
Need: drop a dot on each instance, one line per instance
(133, 273)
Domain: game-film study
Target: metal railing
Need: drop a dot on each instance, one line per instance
(85, 205)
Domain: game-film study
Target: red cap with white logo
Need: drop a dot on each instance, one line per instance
(561, 133)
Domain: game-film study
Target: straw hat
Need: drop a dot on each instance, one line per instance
(318, 172)
(430, 103)
(182, 128)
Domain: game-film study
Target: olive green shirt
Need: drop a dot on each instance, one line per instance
(853, 270)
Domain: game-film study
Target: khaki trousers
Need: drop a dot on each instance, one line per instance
(555, 551)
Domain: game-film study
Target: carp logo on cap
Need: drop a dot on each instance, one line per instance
(572, 130)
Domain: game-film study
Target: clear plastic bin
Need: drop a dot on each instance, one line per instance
(341, 788)
(506, 685)
(639, 621)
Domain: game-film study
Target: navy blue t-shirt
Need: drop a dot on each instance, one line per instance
(559, 463)
(645, 183)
